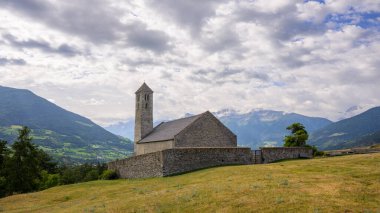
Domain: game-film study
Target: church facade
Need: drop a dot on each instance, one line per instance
(203, 130)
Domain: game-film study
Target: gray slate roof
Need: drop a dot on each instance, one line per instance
(144, 88)
(167, 130)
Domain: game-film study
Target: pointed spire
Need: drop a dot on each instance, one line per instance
(144, 88)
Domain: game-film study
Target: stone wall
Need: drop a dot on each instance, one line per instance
(144, 148)
(140, 166)
(179, 160)
(272, 154)
(207, 131)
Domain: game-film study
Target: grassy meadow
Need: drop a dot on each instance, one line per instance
(336, 184)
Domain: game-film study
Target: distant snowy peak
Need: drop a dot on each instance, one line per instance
(354, 110)
(124, 129)
(225, 112)
(120, 124)
(188, 115)
(270, 116)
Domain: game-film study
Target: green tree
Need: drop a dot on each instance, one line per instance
(46, 162)
(4, 155)
(24, 166)
(49, 180)
(4, 152)
(298, 137)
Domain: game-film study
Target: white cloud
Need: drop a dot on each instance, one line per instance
(306, 57)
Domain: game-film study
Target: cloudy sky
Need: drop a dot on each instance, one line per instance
(316, 58)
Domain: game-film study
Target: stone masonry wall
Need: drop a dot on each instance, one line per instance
(207, 131)
(271, 154)
(179, 160)
(140, 166)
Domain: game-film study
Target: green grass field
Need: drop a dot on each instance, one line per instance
(337, 184)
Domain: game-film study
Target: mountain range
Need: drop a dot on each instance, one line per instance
(63, 134)
(260, 128)
(70, 137)
(254, 129)
(359, 130)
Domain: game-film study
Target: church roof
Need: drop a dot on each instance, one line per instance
(167, 130)
(144, 88)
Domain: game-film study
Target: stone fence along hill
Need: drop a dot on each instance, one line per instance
(179, 160)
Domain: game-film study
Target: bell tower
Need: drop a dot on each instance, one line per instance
(144, 112)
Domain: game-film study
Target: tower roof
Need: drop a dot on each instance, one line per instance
(144, 88)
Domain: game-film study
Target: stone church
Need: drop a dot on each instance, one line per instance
(203, 130)
(187, 144)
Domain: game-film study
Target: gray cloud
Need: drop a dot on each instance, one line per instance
(258, 75)
(226, 72)
(94, 20)
(283, 23)
(205, 76)
(199, 78)
(63, 49)
(167, 75)
(12, 61)
(223, 40)
(140, 62)
(155, 40)
(189, 14)
(258, 53)
(204, 71)
(357, 76)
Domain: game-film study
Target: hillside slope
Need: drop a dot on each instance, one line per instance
(339, 184)
(360, 130)
(61, 133)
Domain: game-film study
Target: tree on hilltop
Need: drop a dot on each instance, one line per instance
(298, 137)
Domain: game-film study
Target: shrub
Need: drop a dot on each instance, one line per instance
(49, 180)
(108, 175)
(91, 175)
(316, 152)
(69, 176)
(3, 185)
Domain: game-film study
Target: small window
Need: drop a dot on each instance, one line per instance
(146, 105)
(147, 97)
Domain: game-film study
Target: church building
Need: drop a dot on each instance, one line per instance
(187, 144)
(203, 130)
